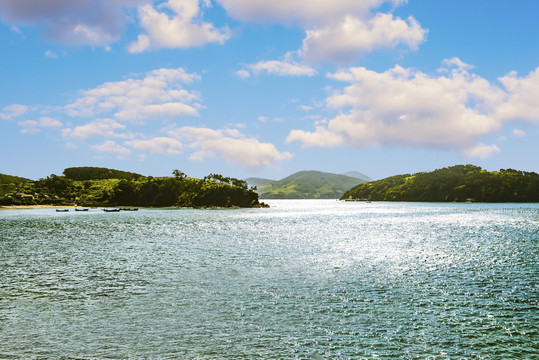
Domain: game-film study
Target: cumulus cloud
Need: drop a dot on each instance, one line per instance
(405, 107)
(100, 127)
(518, 133)
(523, 93)
(51, 54)
(157, 145)
(336, 30)
(13, 111)
(34, 126)
(182, 30)
(231, 145)
(159, 94)
(455, 61)
(305, 12)
(281, 68)
(481, 151)
(96, 22)
(49, 122)
(112, 148)
(351, 37)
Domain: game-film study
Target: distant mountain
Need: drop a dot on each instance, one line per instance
(254, 181)
(358, 175)
(306, 185)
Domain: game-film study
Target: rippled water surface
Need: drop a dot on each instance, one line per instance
(303, 279)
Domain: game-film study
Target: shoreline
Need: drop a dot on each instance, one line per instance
(19, 207)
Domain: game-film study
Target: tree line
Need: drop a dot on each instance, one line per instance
(105, 187)
(453, 184)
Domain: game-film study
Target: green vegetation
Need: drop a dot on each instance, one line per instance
(9, 184)
(97, 173)
(457, 183)
(306, 185)
(101, 187)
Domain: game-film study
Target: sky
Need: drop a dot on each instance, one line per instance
(266, 88)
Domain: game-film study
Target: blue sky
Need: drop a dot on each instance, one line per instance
(267, 88)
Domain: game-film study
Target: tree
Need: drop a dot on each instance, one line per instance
(178, 174)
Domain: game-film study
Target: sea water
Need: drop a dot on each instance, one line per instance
(302, 279)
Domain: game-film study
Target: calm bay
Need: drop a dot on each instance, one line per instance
(301, 279)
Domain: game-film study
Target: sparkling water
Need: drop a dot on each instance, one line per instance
(303, 279)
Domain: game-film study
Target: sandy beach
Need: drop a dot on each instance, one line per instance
(15, 207)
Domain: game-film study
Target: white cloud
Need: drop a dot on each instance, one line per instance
(320, 137)
(282, 68)
(28, 123)
(30, 130)
(306, 12)
(518, 133)
(159, 94)
(29, 126)
(51, 54)
(12, 111)
(351, 37)
(404, 107)
(33, 126)
(96, 22)
(522, 97)
(158, 145)
(112, 148)
(244, 74)
(231, 145)
(49, 122)
(183, 30)
(100, 127)
(336, 30)
(481, 151)
(71, 146)
(455, 61)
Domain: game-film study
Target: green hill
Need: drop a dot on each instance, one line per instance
(308, 185)
(108, 187)
(456, 183)
(97, 173)
(10, 183)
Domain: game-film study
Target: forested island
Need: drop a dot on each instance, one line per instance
(458, 183)
(93, 187)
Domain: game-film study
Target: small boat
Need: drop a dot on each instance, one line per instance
(62, 210)
(129, 209)
(111, 210)
(83, 209)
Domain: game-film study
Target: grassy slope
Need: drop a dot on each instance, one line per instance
(308, 185)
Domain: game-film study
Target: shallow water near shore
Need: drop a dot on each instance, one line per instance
(302, 279)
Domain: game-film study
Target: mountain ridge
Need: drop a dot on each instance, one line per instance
(307, 184)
